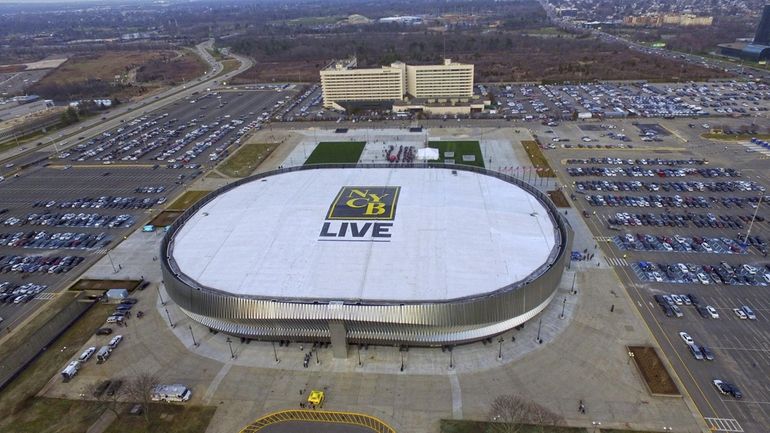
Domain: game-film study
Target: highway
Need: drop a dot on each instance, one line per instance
(125, 113)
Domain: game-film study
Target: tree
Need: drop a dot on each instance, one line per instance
(140, 388)
(69, 116)
(509, 413)
(108, 396)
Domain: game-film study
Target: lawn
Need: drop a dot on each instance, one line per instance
(336, 152)
(246, 159)
(166, 418)
(537, 158)
(463, 426)
(459, 148)
(558, 198)
(187, 199)
(734, 137)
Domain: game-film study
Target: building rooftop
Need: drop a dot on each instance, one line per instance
(452, 235)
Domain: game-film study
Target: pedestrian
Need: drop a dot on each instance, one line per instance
(120, 267)
(612, 308)
(598, 264)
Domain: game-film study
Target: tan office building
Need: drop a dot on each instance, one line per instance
(342, 82)
(447, 81)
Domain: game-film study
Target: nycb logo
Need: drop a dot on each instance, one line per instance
(365, 203)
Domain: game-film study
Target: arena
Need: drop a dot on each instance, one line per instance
(412, 255)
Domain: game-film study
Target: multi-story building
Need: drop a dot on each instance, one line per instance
(343, 84)
(447, 81)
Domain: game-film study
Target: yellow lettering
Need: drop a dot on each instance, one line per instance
(353, 203)
(375, 209)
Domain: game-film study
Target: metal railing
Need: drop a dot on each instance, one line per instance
(320, 416)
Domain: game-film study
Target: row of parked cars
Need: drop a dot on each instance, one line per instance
(102, 355)
(642, 161)
(150, 189)
(669, 219)
(42, 239)
(642, 171)
(107, 202)
(37, 263)
(12, 293)
(678, 243)
(652, 200)
(688, 273)
(60, 219)
(691, 186)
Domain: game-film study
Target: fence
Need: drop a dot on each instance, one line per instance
(320, 416)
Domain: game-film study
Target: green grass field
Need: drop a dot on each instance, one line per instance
(460, 148)
(331, 152)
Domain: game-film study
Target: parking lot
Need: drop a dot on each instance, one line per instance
(677, 225)
(65, 210)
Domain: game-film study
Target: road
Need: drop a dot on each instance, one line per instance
(110, 119)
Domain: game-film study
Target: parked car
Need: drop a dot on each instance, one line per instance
(727, 388)
(686, 337)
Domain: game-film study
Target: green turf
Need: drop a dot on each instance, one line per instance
(460, 148)
(331, 152)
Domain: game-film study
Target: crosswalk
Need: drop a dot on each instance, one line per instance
(101, 251)
(724, 424)
(45, 296)
(604, 238)
(616, 261)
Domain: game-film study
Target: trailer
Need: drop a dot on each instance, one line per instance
(174, 392)
(70, 370)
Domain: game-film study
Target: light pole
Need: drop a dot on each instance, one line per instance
(230, 343)
(563, 305)
(539, 326)
(748, 232)
(574, 277)
(115, 270)
(630, 357)
(500, 348)
(162, 302)
(317, 361)
(170, 323)
(275, 353)
(402, 360)
(451, 358)
(596, 425)
(195, 343)
(359, 356)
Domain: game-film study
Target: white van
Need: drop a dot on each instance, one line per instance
(70, 370)
(85, 356)
(174, 392)
(115, 341)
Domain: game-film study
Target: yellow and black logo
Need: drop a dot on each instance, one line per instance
(365, 203)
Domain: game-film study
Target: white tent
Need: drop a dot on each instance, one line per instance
(427, 154)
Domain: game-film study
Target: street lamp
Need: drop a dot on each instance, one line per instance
(162, 302)
(402, 360)
(195, 343)
(230, 343)
(451, 358)
(317, 361)
(170, 323)
(275, 354)
(359, 356)
(539, 326)
(500, 349)
(630, 357)
(563, 305)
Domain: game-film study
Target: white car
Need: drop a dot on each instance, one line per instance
(115, 341)
(86, 355)
(686, 337)
(706, 247)
(741, 315)
(712, 312)
(702, 278)
(677, 300)
(750, 269)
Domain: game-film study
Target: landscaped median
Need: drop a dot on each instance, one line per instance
(246, 159)
(654, 373)
(537, 158)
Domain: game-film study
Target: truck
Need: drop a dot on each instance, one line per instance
(70, 370)
(103, 354)
(175, 392)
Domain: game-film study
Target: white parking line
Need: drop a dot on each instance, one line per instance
(724, 424)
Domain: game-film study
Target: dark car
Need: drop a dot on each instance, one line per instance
(104, 331)
(707, 353)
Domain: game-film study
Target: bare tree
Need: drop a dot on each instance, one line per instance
(509, 413)
(108, 393)
(140, 388)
